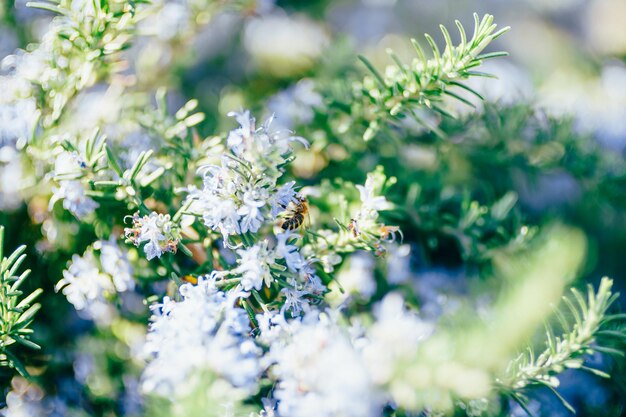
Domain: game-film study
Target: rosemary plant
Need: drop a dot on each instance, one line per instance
(17, 311)
(357, 249)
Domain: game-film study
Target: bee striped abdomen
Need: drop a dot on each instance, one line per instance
(293, 222)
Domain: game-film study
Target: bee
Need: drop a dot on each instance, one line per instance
(171, 246)
(132, 233)
(389, 232)
(353, 226)
(295, 214)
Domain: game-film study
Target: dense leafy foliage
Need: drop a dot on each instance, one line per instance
(384, 242)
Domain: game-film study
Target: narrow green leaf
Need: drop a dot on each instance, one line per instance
(108, 184)
(460, 98)
(250, 312)
(373, 70)
(490, 55)
(30, 298)
(419, 50)
(434, 47)
(16, 264)
(575, 312)
(16, 364)
(500, 32)
(521, 402)
(20, 280)
(141, 161)
(46, 6)
(608, 350)
(112, 162)
(153, 176)
(444, 112)
(446, 36)
(177, 216)
(395, 59)
(612, 333)
(480, 74)
(466, 88)
(614, 317)
(596, 372)
(184, 249)
(11, 260)
(26, 342)
(28, 314)
(462, 34)
(563, 400)
(1, 246)
(477, 25)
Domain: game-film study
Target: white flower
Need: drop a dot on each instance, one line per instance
(88, 281)
(398, 263)
(152, 232)
(313, 284)
(241, 193)
(284, 195)
(75, 200)
(294, 300)
(272, 326)
(250, 212)
(368, 198)
(204, 331)
(289, 252)
(217, 202)
(24, 400)
(222, 215)
(394, 338)
(11, 175)
(68, 163)
(269, 408)
(17, 117)
(115, 262)
(263, 146)
(295, 104)
(320, 373)
(254, 266)
(358, 275)
(237, 138)
(156, 230)
(83, 283)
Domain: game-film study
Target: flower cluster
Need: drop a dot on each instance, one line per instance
(303, 280)
(321, 367)
(18, 119)
(318, 365)
(365, 222)
(157, 231)
(241, 193)
(90, 279)
(204, 331)
(290, 297)
(361, 229)
(320, 372)
(254, 266)
(391, 343)
(75, 200)
(72, 167)
(280, 263)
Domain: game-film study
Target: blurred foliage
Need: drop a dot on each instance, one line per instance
(471, 191)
